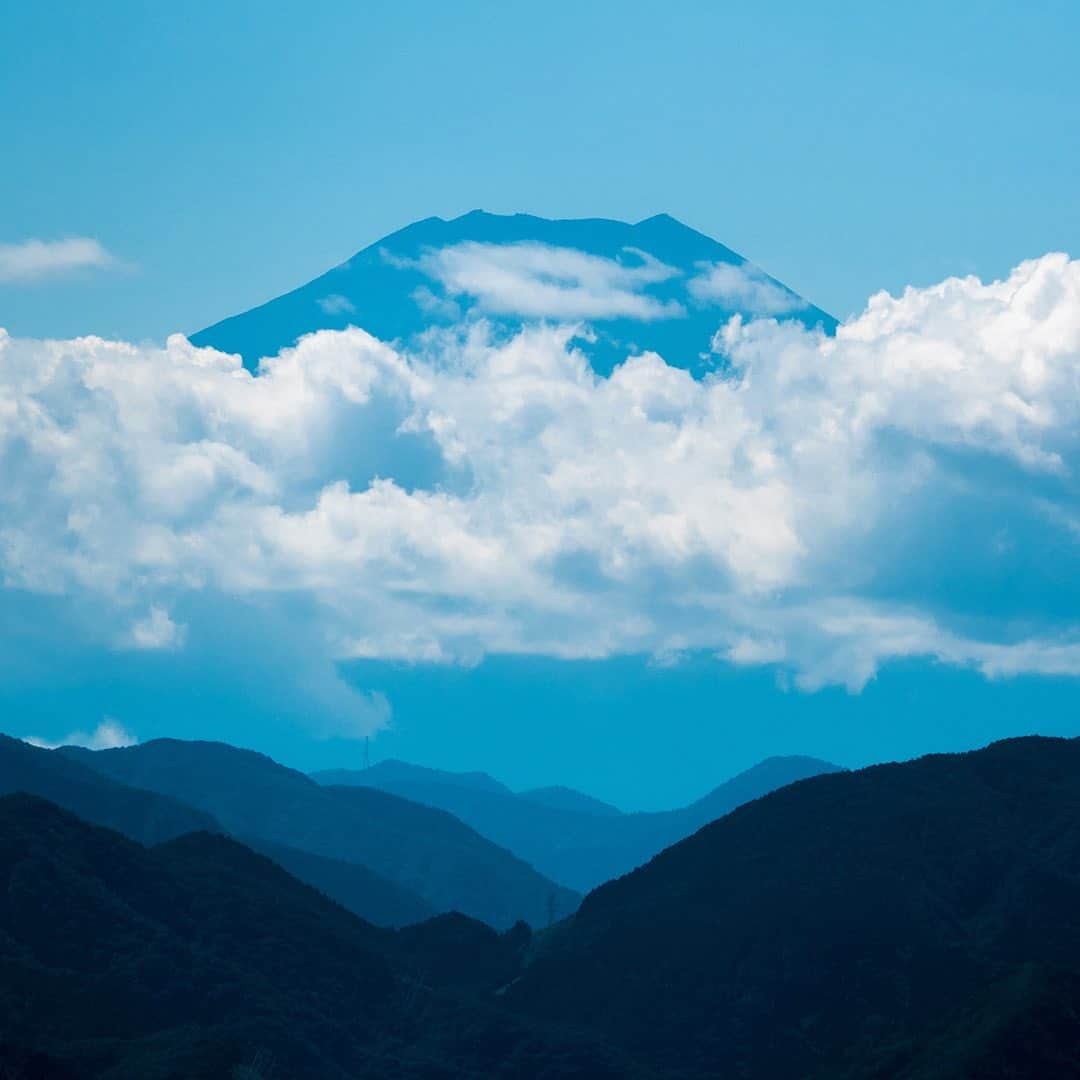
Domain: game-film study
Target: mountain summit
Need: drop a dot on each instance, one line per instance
(655, 286)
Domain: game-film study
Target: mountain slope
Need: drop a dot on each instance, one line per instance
(356, 888)
(766, 776)
(558, 797)
(576, 849)
(1022, 1025)
(570, 844)
(200, 959)
(62, 777)
(808, 932)
(383, 774)
(142, 815)
(421, 849)
(426, 275)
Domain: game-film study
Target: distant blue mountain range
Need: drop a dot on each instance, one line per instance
(571, 838)
(655, 286)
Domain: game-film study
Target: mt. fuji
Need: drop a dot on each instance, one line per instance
(655, 286)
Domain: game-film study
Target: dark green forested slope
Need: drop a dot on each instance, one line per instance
(905, 920)
(201, 959)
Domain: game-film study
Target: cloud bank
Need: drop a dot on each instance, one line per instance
(907, 488)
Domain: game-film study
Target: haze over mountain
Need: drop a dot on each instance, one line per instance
(573, 839)
(426, 851)
(385, 774)
(656, 285)
(564, 798)
(570, 838)
(150, 817)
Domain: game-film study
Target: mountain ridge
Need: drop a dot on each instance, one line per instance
(144, 816)
(909, 921)
(150, 817)
(422, 849)
(843, 925)
(199, 959)
(572, 845)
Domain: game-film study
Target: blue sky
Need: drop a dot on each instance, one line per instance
(228, 152)
(860, 549)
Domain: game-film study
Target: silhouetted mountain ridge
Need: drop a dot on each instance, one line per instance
(198, 959)
(149, 817)
(571, 842)
(812, 930)
(355, 887)
(393, 771)
(563, 798)
(918, 921)
(426, 851)
(143, 815)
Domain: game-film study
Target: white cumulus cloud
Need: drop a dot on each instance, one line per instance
(907, 488)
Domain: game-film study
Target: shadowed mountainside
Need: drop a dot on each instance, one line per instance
(918, 921)
(199, 959)
(149, 817)
(356, 888)
(426, 851)
(143, 815)
(909, 920)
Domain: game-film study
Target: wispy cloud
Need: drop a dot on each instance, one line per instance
(741, 287)
(39, 260)
(335, 304)
(156, 631)
(108, 735)
(541, 281)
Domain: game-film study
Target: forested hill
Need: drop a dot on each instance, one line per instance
(920, 919)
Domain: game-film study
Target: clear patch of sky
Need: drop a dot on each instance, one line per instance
(637, 734)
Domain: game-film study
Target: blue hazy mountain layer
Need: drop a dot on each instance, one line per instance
(576, 847)
(390, 290)
(386, 773)
(558, 797)
(434, 855)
